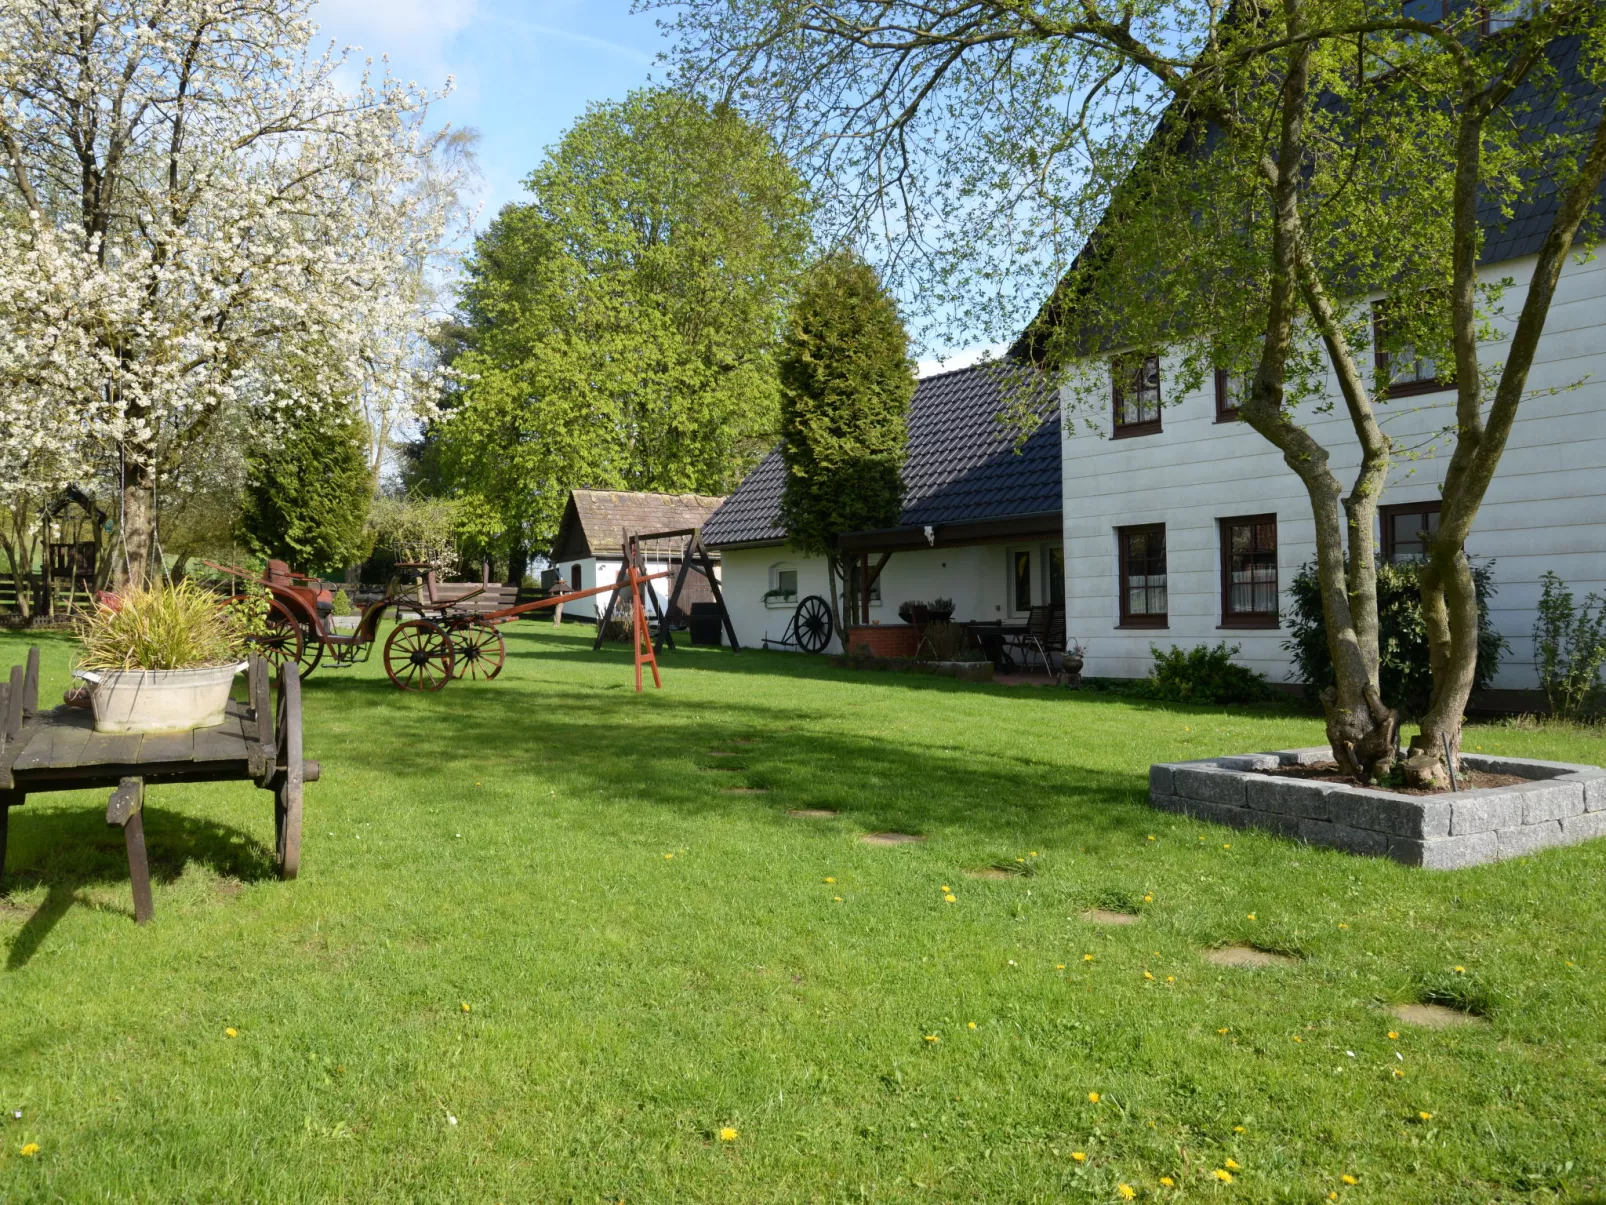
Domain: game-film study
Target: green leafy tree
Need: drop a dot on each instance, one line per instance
(307, 492)
(620, 327)
(846, 382)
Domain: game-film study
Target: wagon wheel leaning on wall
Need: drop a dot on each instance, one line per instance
(811, 624)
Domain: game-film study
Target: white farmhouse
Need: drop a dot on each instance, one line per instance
(587, 550)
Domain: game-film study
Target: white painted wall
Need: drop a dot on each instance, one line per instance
(976, 577)
(1546, 508)
(604, 572)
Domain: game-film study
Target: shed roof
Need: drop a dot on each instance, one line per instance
(961, 465)
(594, 520)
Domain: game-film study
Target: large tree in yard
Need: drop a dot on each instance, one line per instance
(619, 328)
(188, 198)
(1233, 183)
(846, 383)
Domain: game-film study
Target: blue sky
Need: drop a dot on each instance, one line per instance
(523, 69)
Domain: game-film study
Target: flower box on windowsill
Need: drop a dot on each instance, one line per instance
(781, 602)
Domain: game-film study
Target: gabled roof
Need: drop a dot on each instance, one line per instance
(594, 520)
(961, 465)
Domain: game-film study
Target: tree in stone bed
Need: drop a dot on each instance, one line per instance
(846, 382)
(1240, 177)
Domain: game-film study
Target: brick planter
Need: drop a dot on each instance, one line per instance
(1561, 804)
(884, 640)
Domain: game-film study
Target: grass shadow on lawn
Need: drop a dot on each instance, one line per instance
(75, 850)
(657, 757)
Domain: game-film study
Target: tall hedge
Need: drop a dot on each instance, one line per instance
(846, 381)
(308, 491)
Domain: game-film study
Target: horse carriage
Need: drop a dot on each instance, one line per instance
(448, 639)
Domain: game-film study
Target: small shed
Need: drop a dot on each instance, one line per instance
(588, 549)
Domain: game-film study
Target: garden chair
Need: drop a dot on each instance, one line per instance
(1044, 636)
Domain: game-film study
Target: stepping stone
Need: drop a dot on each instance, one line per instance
(1103, 916)
(890, 839)
(745, 740)
(744, 790)
(723, 753)
(1246, 956)
(1436, 1016)
(811, 813)
(723, 769)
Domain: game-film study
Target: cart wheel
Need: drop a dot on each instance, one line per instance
(284, 640)
(418, 656)
(287, 794)
(811, 624)
(478, 651)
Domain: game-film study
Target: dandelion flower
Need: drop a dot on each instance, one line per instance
(1460, 970)
(1087, 958)
(466, 1007)
(231, 1032)
(1224, 1029)
(1148, 899)
(830, 878)
(1059, 966)
(1239, 1129)
(973, 1025)
(1151, 836)
(931, 1037)
(1079, 1156)
(951, 897)
(836, 899)
(1168, 1181)
(728, 1134)
(29, 1149)
(1424, 1116)
(1034, 853)
(1020, 859)
(1394, 1036)
(1398, 1074)
(1332, 1196)
(1148, 974)
(1342, 925)
(1092, 1098)
(1349, 1179)
(1223, 1175)
(945, 887)
(1170, 978)
(1251, 916)
(1297, 1038)
(1232, 1165)
(1226, 845)
(1125, 1191)
(668, 857)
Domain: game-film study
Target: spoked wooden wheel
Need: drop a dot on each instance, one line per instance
(284, 640)
(419, 655)
(478, 651)
(290, 776)
(811, 624)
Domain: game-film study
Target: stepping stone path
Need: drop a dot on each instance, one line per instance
(890, 839)
(723, 753)
(1246, 956)
(1103, 916)
(1436, 1016)
(811, 813)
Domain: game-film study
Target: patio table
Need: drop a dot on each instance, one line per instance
(259, 741)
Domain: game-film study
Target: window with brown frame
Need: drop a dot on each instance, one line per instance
(1230, 388)
(1407, 529)
(1249, 572)
(1401, 371)
(1135, 389)
(1144, 598)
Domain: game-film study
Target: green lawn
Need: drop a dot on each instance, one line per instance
(540, 952)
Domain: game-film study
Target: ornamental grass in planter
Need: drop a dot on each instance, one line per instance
(161, 658)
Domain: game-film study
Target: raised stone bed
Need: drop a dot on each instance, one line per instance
(1559, 804)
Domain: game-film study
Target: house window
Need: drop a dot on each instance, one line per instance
(1144, 600)
(1400, 370)
(1231, 388)
(1135, 386)
(1054, 559)
(1408, 529)
(1020, 579)
(1249, 572)
(783, 584)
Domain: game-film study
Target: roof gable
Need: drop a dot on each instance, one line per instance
(594, 521)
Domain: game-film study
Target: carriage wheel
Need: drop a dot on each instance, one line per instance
(287, 793)
(478, 651)
(419, 656)
(284, 640)
(811, 624)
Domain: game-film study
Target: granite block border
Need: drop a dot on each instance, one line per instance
(1561, 803)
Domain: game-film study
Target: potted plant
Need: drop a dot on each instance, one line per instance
(161, 658)
(343, 617)
(914, 611)
(1071, 662)
(941, 610)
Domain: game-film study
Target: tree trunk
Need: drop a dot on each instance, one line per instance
(136, 566)
(838, 599)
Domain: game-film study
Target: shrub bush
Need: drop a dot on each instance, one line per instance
(1404, 675)
(1203, 674)
(1569, 648)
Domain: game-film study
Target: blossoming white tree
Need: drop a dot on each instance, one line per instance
(191, 206)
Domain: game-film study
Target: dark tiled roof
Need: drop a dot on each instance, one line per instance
(594, 520)
(961, 465)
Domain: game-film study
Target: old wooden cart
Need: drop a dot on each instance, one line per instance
(259, 741)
